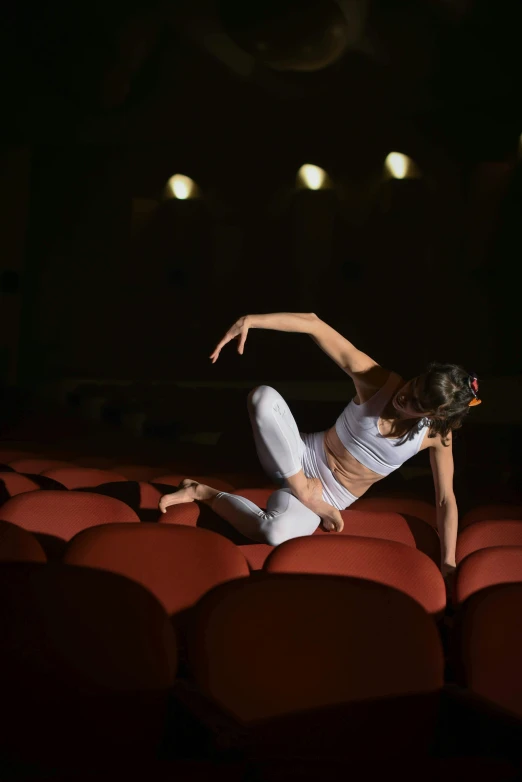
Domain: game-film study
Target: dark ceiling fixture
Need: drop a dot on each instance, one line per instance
(293, 35)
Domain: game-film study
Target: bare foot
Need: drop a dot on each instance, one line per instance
(188, 491)
(312, 498)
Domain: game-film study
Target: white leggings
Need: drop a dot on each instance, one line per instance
(282, 451)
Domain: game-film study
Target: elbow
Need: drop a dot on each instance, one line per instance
(446, 500)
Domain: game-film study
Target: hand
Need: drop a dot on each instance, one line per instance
(238, 330)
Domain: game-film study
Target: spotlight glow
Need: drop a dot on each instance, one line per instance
(181, 186)
(398, 165)
(312, 177)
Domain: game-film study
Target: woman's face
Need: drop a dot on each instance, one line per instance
(406, 400)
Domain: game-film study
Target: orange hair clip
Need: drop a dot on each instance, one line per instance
(473, 384)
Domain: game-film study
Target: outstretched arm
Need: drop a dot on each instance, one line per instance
(278, 321)
(354, 362)
(363, 369)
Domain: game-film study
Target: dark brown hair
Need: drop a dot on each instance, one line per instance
(443, 392)
(447, 393)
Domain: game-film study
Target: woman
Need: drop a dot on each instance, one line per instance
(387, 422)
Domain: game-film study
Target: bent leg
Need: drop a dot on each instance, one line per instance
(285, 517)
(278, 442)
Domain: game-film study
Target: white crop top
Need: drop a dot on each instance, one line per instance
(358, 429)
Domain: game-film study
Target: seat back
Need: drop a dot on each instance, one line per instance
(381, 561)
(174, 479)
(18, 545)
(487, 646)
(177, 564)
(86, 662)
(493, 512)
(409, 505)
(37, 465)
(64, 513)
(273, 645)
(80, 477)
(485, 534)
(13, 483)
(488, 567)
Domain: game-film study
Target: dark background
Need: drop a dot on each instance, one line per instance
(104, 278)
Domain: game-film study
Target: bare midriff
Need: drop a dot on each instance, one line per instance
(350, 473)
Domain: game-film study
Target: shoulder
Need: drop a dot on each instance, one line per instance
(436, 443)
(368, 383)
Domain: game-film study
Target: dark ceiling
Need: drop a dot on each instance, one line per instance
(438, 74)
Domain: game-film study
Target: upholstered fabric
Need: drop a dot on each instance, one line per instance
(139, 472)
(38, 465)
(80, 477)
(18, 545)
(8, 455)
(178, 564)
(13, 483)
(487, 567)
(383, 561)
(374, 522)
(485, 534)
(174, 479)
(269, 646)
(256, 554)
(64, 513)
(414, 507)
(144, 499)
(487, 646)
(491, 513)
(86, 662)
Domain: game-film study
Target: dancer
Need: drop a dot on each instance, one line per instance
(385, 424)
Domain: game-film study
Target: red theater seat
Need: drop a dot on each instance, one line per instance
(64, 513)
(256, 554)
(86, 663)
(491, 513)
(488, 567)
(297, 646)
(7, 455)
(487, 646)
(177, 564)
(378, 523)
(411, 506)
(485, 534)
(139, 472)
(81, 477)
(96, 462)
(37, 465)
(144, 499)
(383, 561)
(174, 479)
(18, 545)
(13, 483)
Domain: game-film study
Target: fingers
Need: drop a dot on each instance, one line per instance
(225, 341)
(219, 346)
(242, 343)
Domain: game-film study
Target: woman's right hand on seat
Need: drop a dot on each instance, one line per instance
(238, 330)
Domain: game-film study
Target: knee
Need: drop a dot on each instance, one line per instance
(275, 536)
(258, 394)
